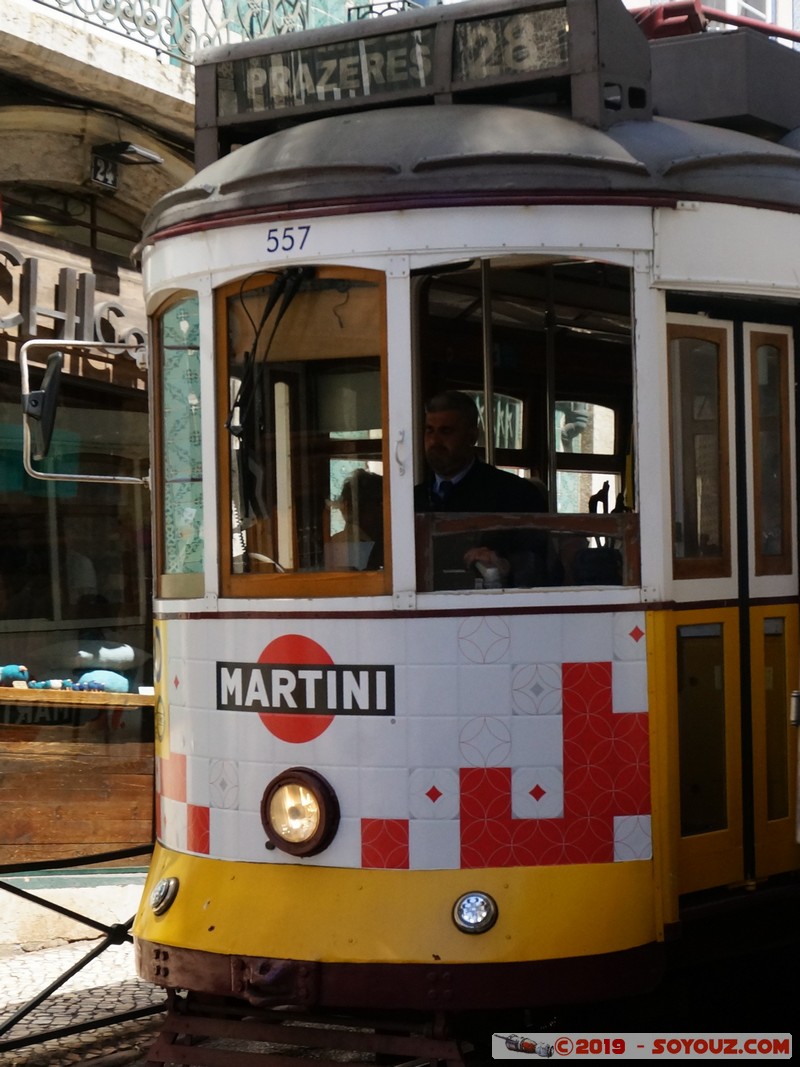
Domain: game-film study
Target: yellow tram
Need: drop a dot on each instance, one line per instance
(386, 776)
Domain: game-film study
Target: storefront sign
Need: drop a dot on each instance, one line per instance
(41, 296)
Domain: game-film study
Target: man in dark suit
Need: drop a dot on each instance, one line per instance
(460, 481)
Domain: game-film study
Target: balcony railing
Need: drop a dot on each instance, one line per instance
(180, 28)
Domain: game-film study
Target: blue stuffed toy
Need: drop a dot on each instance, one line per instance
(13, 672)
(107, 681)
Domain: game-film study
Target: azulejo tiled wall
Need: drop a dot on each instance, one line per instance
(514, 740)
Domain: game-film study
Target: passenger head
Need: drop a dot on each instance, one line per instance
(451, 432)
(361, 501)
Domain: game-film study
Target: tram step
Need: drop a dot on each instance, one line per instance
(201, 1036)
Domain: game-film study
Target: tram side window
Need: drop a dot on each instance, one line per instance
(544, 349)
(769, 384)
(303, 432)
(180, 561)
(699, 443)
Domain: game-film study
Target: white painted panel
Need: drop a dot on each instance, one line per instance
(726, 248)
(431, 236)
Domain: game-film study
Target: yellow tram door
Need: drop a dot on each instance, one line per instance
(731, 644)
(774, 643)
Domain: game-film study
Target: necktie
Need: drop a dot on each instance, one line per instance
(444, 491)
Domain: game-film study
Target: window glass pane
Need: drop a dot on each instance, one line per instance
(509, 419)
(306, 424)
(181, 440)
(75, 561)
(80, 219)
(555, 362)
(701, 729)
(578, 491)
(776, 702)
(585, 428)
(771, 456)
(699, 489)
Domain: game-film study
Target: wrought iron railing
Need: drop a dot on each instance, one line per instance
(116, 934)
(180, 28)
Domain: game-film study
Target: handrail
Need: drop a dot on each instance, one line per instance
(676, 18)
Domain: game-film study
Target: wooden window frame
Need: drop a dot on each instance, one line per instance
(169, 585)
(780, 563)
(305, 584)
(719, 566)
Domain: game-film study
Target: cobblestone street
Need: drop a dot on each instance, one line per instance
(107, 986)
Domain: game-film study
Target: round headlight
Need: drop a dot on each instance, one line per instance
(475, 913)
(162, 895)
(300, 812)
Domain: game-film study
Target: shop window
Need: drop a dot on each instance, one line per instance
(75, 564)
(77, 218)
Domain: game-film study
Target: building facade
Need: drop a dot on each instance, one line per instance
(96, 123)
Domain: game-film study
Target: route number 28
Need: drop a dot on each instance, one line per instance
(288, 239)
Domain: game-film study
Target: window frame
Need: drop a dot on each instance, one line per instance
(169, 584)
(306, 584)
(781, 563)
(541, 389)
(719, 566)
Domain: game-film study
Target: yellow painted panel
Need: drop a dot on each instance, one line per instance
(161, 714)
(702, 859)
(774, 741)
(665, 801)
(353, 915)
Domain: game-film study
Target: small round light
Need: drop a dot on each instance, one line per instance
(300, 812)
(163, 894)
(475, 913)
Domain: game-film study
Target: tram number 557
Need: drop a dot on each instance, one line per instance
(288, 239)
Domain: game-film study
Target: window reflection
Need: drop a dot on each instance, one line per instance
(544, 349)
(775, 703)
(701, 729)
(699, 454)
(180, 433)
(769, 388)
(305, 424)
(75, 562)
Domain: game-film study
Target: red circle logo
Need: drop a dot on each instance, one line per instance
(294, 650)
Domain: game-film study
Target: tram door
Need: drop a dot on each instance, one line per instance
(733, 465)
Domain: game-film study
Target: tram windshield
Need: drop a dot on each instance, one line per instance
(543, 347)
(305, 423)
(539, 349)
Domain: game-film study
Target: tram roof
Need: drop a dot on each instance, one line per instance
(565, 112)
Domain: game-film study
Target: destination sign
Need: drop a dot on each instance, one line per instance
(337, 71)
(523, 44)
(526, 42)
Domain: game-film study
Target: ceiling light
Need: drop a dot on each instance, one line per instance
(127, 153)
